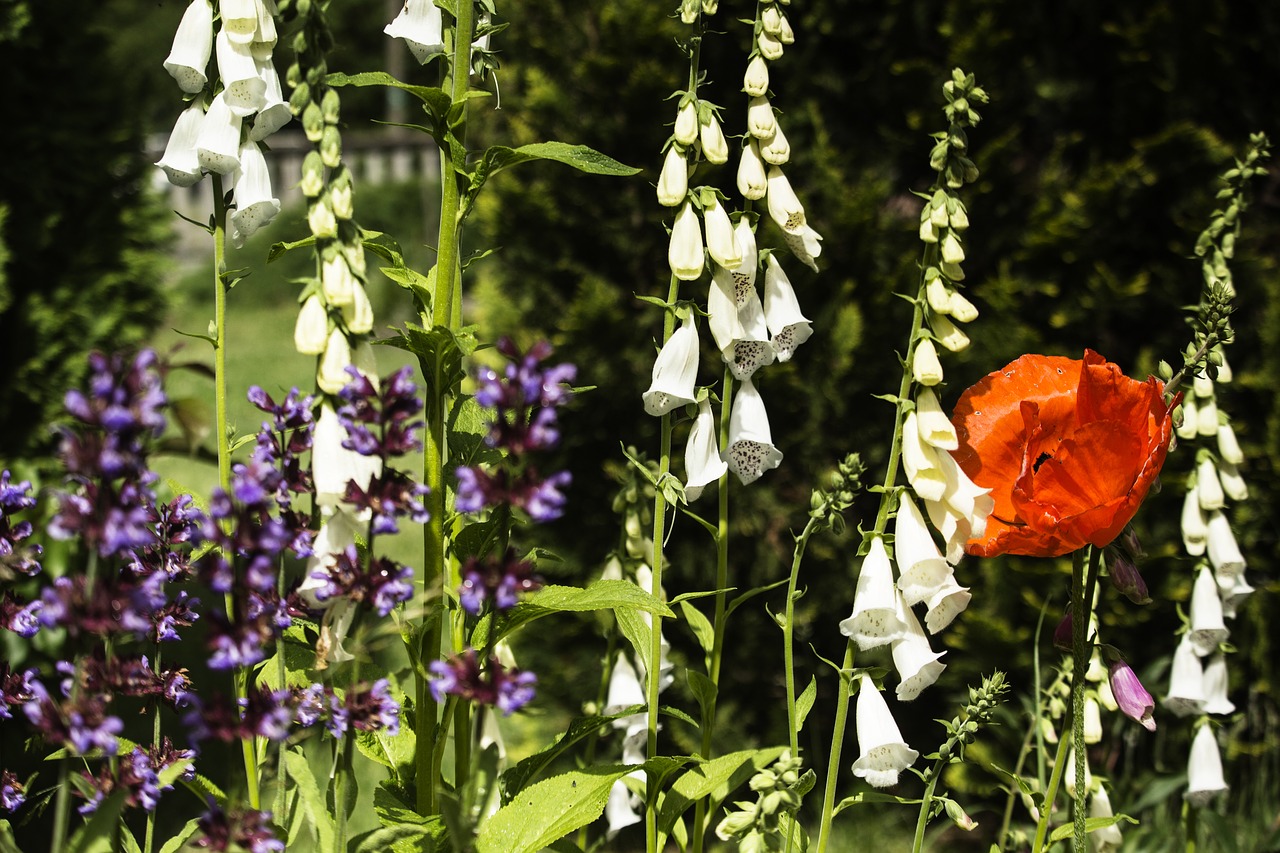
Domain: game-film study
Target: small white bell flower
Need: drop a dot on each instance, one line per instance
(240, 19)
(722, 313)
(1107, 839)
(1224, 553)
(770, 46)
(744, 277)
(949, 334)
(332, 374)
(192, 46)
(218, 145)
(771, 19)
(702, 462)
(883, 754)
(180, 162)
(788, 327)
(756, 79)
(265, 35)
(1234, 596)
(1195, 530)
(675, 372)
(921, 568)
(274, 113)
(245, 91)
(337, 281)
(760, 120)
(1207, 418)
(784, 206)
(320, 218)
(722, 244)
(686, 129)
(255, 206)
(952, 250)
(925, 367)
(1228, 447)
(1207, 627)
(1216, 700)
(1204, 768)
(751, 451)
(714, 148)
(311, 331)
(1233, 484)
(935, 427)
(1189, 428)
(805, 244)
(1202, 386)
(753, 350)
(938, 295)
(421, 26)
(971, 502)
(775, 150)
(920, 461)
(1070, 778)
(961, 309)
(684, 254)
(625, 690)
(752, 181)
(913, 657)
(673, 182)
(946, 603)
(1186, 680)
(332, 465)
(1092, 720)
(786, 35)
(875, 620)
(1208, 486)
(358, 315)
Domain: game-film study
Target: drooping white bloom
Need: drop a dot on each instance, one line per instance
(358, 314)
(332, 465)
(1233, 484)
(1224, 553)
(625, 690)
(673, 182)
(722, 245)
(788, 327)
(421, 26)
(935, 427)
(1186, 680)
(1228, 446)
(760, 120)
(1189, 427)
(753, 350)
(1108, 838)
(684, 254)
(882, 753)
(949, 334)
(1207, 418)
(703, 464)
(1207, 627)
(805, 244)
(1208, 486)
(771, 19)
(920, 461)
(946, 603)
(239, 19)
(1069, 776)
(255, 206)
(337, 281)
(938, 295)
(1204, 768)
(245, 91)
(218, 145)
(180, 162)
(332, 375)
(320, 218)
(751, 451)
(192, 46)
(775, 150)
(756, 79)
(274, 113)
(961, 309)
(875, 620)
(1092, 720)
(925, 367)
(311, 331)
(722, 313)
(913, 657)
(714, 148)
(686, 129)
(784, 207)
(675, 371)
(264, 35)
(752, 181)
(1202, 386)
(1195, 530)
(921, 568)
(1216, 700)
(744, 277)
(770, 46)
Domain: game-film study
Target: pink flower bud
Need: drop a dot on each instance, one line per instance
(1131, 696)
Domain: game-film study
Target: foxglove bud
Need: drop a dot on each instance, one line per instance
(1204, 769)
(722, 245)
(684, 254)
(760, 121)
(770, 46)
(752, 182)
(1125, 577)
(332, 376)
(311, 332)
(714, 148)
(686, 130)
(775, 150)
(1208, 486)
(949, 334)
(756, 79)
(358, 314)
(673, 183)
(1134, 700)
(925, 367)
(1228, 447)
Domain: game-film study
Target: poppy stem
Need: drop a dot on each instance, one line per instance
(1079, 631)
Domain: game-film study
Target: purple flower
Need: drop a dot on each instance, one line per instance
(12, 792)
(312, 705)
(373, 709)
(16, 688)
(500, 580)
(514, 689)
(246, 830)
(1125, 576)
(461, 675)
(86, 732)
(1134, 700)
(21, 619)
(383, 583)
(545, 500)
(381, 424)
(16, 558)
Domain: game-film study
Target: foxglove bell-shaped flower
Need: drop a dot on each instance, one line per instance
(218, 145)
(922, 570)
(755, 81)
(751, 451)
(274, 112)
(1189, 427)
(685, 251)
(192, 46)
(686, 129)
(921, 462)
(675, 372)
(784, 207)
(875, 620)
(971, 503)
(1207, 627)
(1224, 553)
(1216, 700)
(332, 374)
(702, 462)
(1204, 769)
(1195, 529)
(1207, 418)
(935, 427)
(744, 277)
(1132, 698)
(421, 26)
(1186, 681)
(925, 367)
(180, 162)
(337, 281)
(359, 314)
(770, 46)
(883, 754)
(1233, 484)
(1228, 446)
(1107, 839)
(787, 326)
(760, 119)
(753, 182)
(334, 466)
(673, 182)
(951, 336)
(1234, 595)
(1208, 486)
(805, 244)
(946, 603)
(722, 245)
(753, 350)
(916, 662)
(240, 19)
(255, 206)
(714, 148)
(775, 150)
(1092, 720)
(722, 313)
(245, 91)
(311, 332)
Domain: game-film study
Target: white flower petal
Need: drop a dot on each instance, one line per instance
(675, 372)
(1204, 768)
(751, 451)
(1207, 628)
(875, 619)
(883, 754)
(788, 327)
(181, 163)
(703, 464)
(192, 46)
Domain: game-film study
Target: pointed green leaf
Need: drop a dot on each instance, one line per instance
(516, 778)
(873, 797)
(716, 779)
(386, 837)
(277, 250)
(396, 751)
(311, 799)
(1093, 824)
(700, 625)
(704, 691)
(97, 836)
(434, 99)
(176, 843)
(804, 703)
(580, 157)
(549, 810)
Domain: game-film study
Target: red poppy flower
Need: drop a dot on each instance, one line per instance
(1068, 448)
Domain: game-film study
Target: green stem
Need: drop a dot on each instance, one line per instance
(837, 745)
(1051, 794)
(922, 820)
(1080, 652)
(149, 838)
(788, 632)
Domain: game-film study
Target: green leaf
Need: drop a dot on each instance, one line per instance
(1093, 824)
(704, 690)
(176, 843)
(873, 797)
(701, 627)
(9, 844)
(468, 428)
(752, 593)
(394, 751)
(549, 810)
(580, 157)
(423, 287)
(98, 835)
(516, 778)
(278, 250)
(804, 703)
(385, 837)
(637, 632)
(715, 779)
(434, 99)
(312, 800)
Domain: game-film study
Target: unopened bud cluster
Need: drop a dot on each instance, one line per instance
(760, 825)
(828, 504)
(1217, 243)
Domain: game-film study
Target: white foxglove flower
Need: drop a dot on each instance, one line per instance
(805, 244)
(1216, 700)
(702, 462)
(358, 315)
(771, 19)
(1224, 553)
(1092, 720)
(675, 372)
(192, 46)
(180, 162)
(756, 79)
(332, 374)
(946, 603)
(239, 19)
(255, 206)
(320, 219)
(770, 46)
(744, 277)
(753, 351)
(1195, 530)
(913, 657)
(1189, 427)
(775, 150)
(421, 26)
(245, 91)
(337, 281)
(1069, 777)
(311, 332)
(751, 451)
(714, 148)
(1107, 839)
(961, 309)
(686, 129)
(332, 465)
(1202, 386)
(952, 250)
(1207, 627)
(784, 207)
(752, 181)
(788, 327)
(625, 691)
(938, 295)
(684, 254)
(1228, 447)
(1207, 418)
(218, 145)
(722, 245)
(1234, 595)
(882, 753)
(1204, 768)
(1233, 484)
(925, 367)
(921, 568)
(1224, 369)
(1208, 486)
(949, 334)
(935, 427)
(264, 36)
(673, 182)
(760, 120)
(875, 620)
(1186, 680)
(786, 35)
(920, 461)
(274, 113)
(971, 502)
(722, 313)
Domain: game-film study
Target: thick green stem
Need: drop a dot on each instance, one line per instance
(922, 820)
(1080, 654)
(788, 632)
(1051, 793)
(837, 747)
